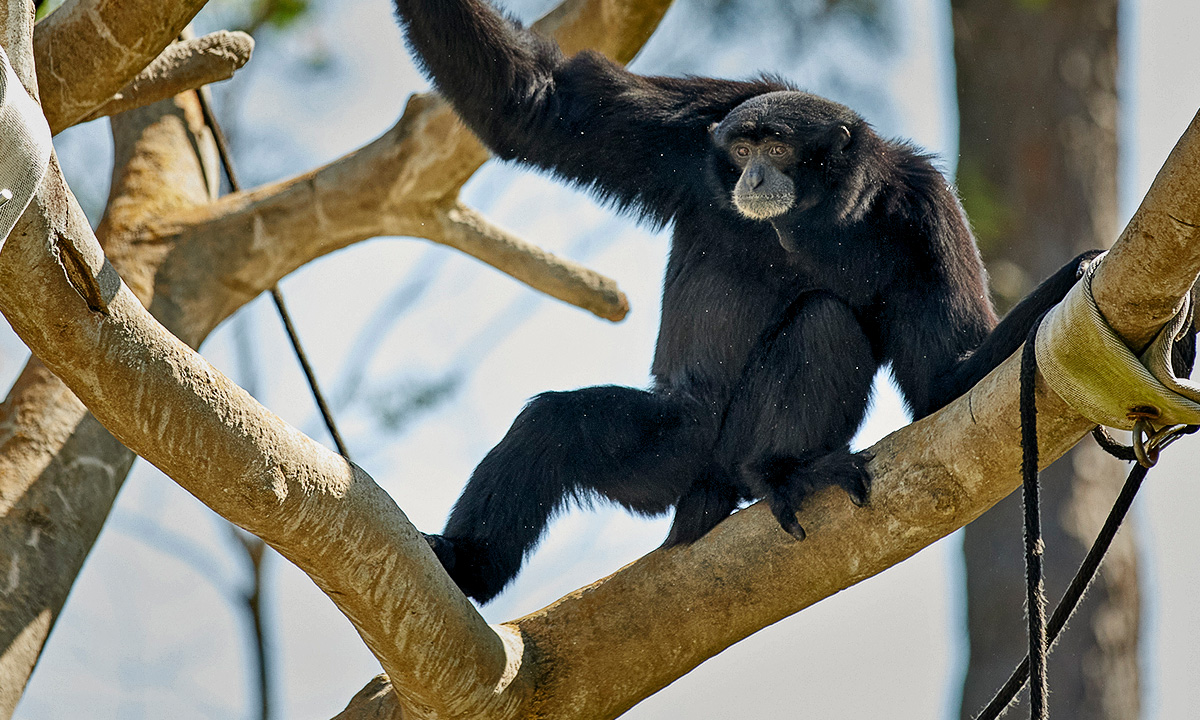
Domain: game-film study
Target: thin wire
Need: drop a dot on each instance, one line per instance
(1035, 596)
(227, 162)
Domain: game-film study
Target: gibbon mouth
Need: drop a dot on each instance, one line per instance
(767, 206)
(764, 206)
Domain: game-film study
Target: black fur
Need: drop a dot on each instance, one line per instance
(765, 356)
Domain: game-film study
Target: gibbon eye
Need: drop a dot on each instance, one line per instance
(778, 150)
(742, 151)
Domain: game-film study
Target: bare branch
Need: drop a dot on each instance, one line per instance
(573, 24)
(182, 66)
(1141, 290)
(323, 514)
(376, 701)
(601, 649)
(59, 474)
(60, 470)
(87, 50)
(62, 467)
(396, 185)
(466, 230)
(400, 182)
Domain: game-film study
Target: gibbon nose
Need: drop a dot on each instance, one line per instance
(754, 177)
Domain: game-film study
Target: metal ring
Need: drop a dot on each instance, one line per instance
(1143, 449)
(1148, 442)
(1166, 436)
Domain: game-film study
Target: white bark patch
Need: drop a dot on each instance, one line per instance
(164, 417)
(14, 575)
(93, 463)
(102, 30)
(279, 484)
(63, 499)
(514, 650)
(35, 536)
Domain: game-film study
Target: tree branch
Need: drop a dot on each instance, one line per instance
(60, 470)
(425, 158)
(403, 183)
(58, 464)
(376, 701)
(182, 66)
(605, 647)
(599, 650)
(1140, 289)
(320, 512)
(87, 50)
(464, 229)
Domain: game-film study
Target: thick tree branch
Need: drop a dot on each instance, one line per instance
(59, 474)
(320, 512)
(609, 645)
(182, 66)
(598, 650)
(376, 701)
(87, 50)
(1142, 286)
(59, 469)
(164, 401)
(396, 185)
(407, 181)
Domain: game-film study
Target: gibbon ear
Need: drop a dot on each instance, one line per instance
(841, 138)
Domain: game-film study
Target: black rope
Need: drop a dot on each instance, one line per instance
(227, 162)
(1075, 591)
(1112, 447)
(1091, 563)
(1035, 586)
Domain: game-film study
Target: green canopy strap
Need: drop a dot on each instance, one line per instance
(24, 148)
(1091, 368)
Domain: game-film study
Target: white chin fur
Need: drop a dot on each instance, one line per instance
(763, 208)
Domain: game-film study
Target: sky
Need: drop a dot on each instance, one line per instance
(150, 630)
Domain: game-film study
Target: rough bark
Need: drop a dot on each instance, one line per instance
(59, 469)
(597, 651)
(407, 183)
(1038, 173)
(185, 65)
(87, 50)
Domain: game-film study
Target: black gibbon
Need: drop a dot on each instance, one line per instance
(807, 252)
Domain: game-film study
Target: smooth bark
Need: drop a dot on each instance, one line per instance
(87, 50)
(59, 469)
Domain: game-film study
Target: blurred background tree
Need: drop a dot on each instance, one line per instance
(1037, 170)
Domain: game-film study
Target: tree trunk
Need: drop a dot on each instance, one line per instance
(1038, 108)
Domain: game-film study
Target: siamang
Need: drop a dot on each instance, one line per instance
(807, 252)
